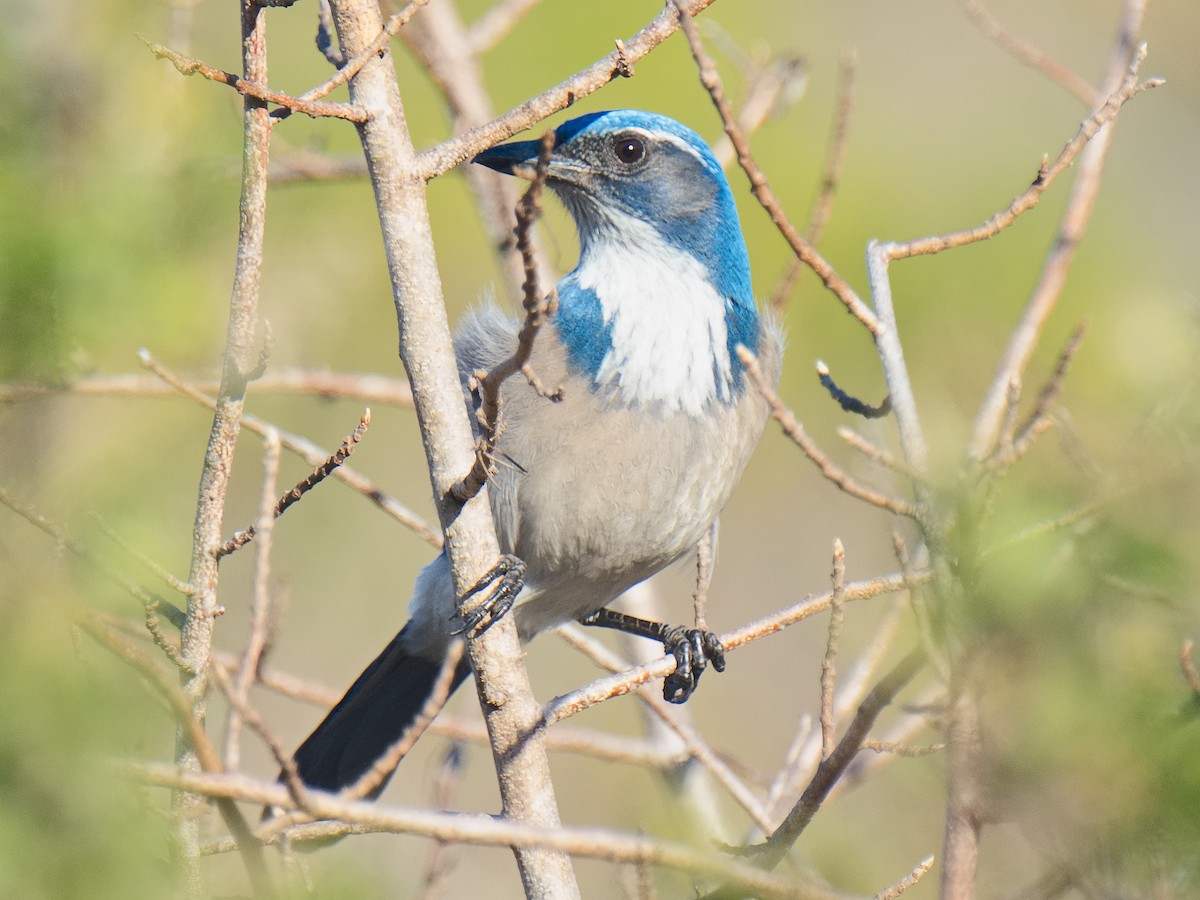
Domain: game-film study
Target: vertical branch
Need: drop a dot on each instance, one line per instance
(510, 710)
(239, 362)
(1043, 299)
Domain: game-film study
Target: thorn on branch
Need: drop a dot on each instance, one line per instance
(848, 402)
(319, 474)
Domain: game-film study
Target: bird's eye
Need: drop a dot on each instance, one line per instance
(629, 150)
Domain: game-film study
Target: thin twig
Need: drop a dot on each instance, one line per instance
(240, 360)
(491, 28)
(891, 893)
(373, 779)
(320, 473)
(485, 830)
(445, 156)
(363, 387)
(837, 613)
(605, 688)
(538, 308)
(192, 732)
(309, 452)
(186, 65)
(794, 430)
(151, 604)
(1039, 418)
(758, 181)
(822, 209)
(260, 607)
(1021, 49)
(769, 855)
(349, 69)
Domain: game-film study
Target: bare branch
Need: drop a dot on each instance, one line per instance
(758, 181)
(185, 65)
(822, 208)
(602, 689)
(310, 453)
(445, 156)
(592, 843)
(501, 680)
(260, 607)
(492, 27)
(837, 613)
(537, 310)
(1021, 49)
(907, 881)
(319, 474)
(799, 436)
(363, 387)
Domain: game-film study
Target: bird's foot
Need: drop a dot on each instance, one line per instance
(693, 648)
(502, 582)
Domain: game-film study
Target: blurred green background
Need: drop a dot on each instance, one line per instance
(118, 222)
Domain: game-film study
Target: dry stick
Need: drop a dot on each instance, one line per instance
(445, 156)
(192, 731)
(491, 28)
(248, 87)
(876, 454)
(835, 157)
(486, 386)
(320, 473)
(1039, 419)
(832, 767)
(605, 688)
(891, 893)
(310, 453)
(347, 71)
(799, 436)
(792, 777)
(440, 864)
(1120, 86)
(426, 349)
(758, 181)
(441, 44)
(366, 388)
(769, 89)
(1032, 56)
(837, 614)
(239, 360)
(260, 606)
(297, 789)
(593, 843)
(693, 742)
(705, 551)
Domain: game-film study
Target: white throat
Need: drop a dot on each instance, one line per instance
(669, 336)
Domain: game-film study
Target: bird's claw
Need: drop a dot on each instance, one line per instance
(503, 582)
(693, 649)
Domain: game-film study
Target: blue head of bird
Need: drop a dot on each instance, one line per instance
(661, 295)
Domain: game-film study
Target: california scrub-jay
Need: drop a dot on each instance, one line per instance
(656, 421)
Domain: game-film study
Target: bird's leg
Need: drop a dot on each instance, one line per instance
(503, 582)
(693, 648)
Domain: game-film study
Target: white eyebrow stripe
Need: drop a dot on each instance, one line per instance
(666, 137)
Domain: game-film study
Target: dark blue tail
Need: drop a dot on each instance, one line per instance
(384, 700)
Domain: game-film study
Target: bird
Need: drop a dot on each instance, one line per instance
(654, 424)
